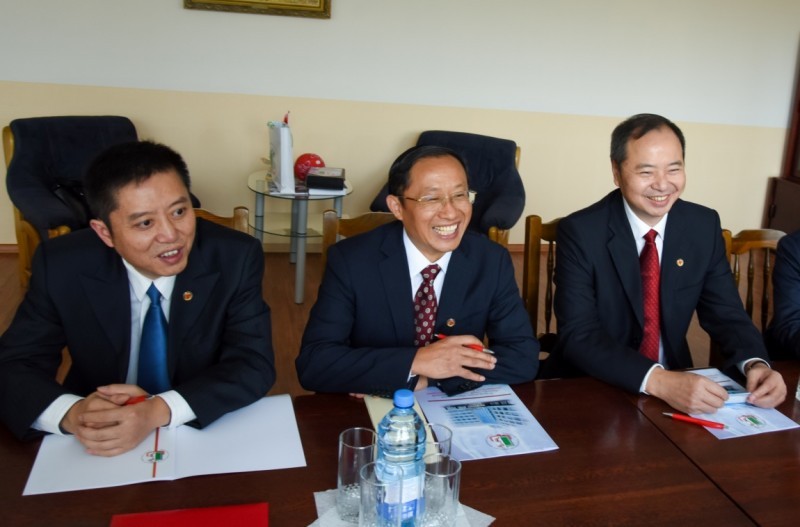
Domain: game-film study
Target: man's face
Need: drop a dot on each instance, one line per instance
(652, 178)
(153, 225)
(434, 228)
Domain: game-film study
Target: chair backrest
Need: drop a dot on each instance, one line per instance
(760, 246)
(492, 163)
(47, 158)
(537, 232)
(239, 220)
(334, 227)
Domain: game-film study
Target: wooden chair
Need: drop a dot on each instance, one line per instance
(239, 220)
(760, 246)
(334, 227)
(535, 233)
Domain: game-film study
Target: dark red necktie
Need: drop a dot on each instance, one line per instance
(651, 273)
(425, 307)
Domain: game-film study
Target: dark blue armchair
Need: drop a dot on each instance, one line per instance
(492, 165)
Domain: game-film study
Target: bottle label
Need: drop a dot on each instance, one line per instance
(412, 504)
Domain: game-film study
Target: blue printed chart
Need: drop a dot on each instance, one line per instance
(489, 421)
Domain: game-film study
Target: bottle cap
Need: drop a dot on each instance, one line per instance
(404, 398)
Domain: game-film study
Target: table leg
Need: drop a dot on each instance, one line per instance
(337, 205)
(300, 243)
(293, 231)
(259, 217)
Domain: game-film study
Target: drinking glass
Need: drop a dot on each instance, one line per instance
(356, 449)
(381, 497)
(442, 482)
(440, 439)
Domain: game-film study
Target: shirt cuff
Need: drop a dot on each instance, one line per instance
(180, 410)
(744, 365)
(50, 420)
(647, 377)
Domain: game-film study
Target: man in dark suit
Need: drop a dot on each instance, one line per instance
(604, 328)
(783, 335)
(87, 292)
(364, 334)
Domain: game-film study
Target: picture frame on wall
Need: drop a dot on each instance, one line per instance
(306, 8)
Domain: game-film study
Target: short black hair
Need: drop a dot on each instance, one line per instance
(400, 172)
(636, 127)
(126, 163)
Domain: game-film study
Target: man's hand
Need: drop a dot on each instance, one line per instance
(449, 358)
(686, 392)
(107, 427)
(766, 386)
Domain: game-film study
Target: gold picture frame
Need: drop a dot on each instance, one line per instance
(307, 8)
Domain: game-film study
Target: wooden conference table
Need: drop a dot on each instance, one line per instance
(619, 462)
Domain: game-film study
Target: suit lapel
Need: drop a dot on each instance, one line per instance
(673, 258)
(108, 293)
(192, 292)
(622, 248)
(397, 283)
(454, 292)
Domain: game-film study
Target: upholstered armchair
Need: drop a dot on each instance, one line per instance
(492, 165)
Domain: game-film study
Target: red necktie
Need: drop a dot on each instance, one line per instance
(648, 262)
(425, 307)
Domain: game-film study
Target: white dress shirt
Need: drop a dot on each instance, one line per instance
(181, 412)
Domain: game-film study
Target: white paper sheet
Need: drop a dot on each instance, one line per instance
(490, 421)
(744, 420)
(262, 436)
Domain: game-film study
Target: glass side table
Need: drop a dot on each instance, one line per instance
(259, 182)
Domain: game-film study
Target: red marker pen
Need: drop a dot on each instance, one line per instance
(476, 347)
(694, 420)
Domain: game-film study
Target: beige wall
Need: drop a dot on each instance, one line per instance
(564, 160)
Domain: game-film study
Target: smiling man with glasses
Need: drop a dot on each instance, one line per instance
(409, 304)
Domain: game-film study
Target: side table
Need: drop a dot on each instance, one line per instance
(259, 183)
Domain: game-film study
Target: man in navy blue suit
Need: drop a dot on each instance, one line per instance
(361, 336)
(599, 299)
(88, 293)
(783, 335)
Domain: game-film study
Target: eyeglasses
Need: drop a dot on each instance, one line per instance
(431, 203)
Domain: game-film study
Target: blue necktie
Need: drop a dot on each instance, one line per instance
(152, 375)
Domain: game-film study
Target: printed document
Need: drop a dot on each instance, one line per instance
(490, 421)
(261, 436)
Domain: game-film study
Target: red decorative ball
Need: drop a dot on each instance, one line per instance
(304, 163)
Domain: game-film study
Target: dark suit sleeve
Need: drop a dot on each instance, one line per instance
(784, 331)
(720, 310)
(241, 368)
(582, 337)
(507, 328)
(30, 354)
(337, 356)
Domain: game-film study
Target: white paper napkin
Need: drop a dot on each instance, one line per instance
(328, 517)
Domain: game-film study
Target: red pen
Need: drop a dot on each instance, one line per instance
(694, 420)
(476, 347)
(136, 400)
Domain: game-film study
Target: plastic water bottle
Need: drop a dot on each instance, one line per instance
(401, 443)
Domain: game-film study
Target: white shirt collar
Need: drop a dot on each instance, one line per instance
(639, 227)
(140, 283)
(418, 261)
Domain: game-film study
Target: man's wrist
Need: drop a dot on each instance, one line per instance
(752, 364)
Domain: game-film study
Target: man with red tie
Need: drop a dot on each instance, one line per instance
(408, 303)
(634, 267)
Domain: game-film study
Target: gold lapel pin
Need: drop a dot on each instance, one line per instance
(450, 322)
(679, 262)
(187, 296)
